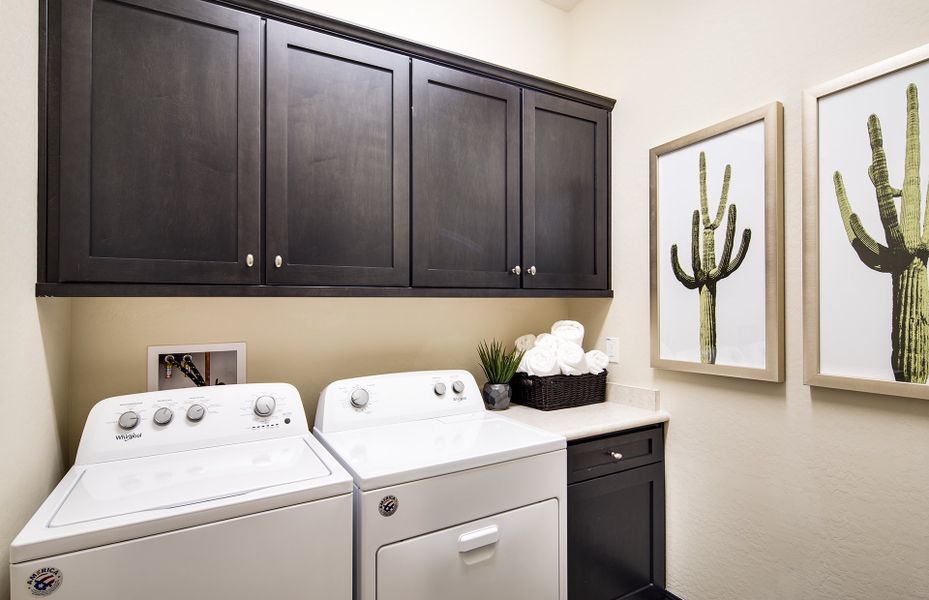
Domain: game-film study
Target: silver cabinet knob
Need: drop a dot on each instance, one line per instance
(532, 270)
(360, 398)
(278, 261)
(195, 413)
(128, 420)
(458, 387)
(250, 260)
(163, 416)
(439, 389)
(516, 270)
(616, 455)
(264, 406)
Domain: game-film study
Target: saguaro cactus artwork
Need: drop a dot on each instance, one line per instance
(706, 272)
(904, 256)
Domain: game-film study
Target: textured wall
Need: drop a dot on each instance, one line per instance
(774, 491)
(312, 341)
(33, 355)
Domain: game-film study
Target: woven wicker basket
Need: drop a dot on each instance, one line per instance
(558, 391)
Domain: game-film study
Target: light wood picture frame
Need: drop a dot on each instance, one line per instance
(864, 330)
(750, 341)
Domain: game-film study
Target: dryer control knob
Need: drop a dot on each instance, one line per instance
(195, 413)
(128, 420)
(264, 406)
(439, 389)
(163, 416)
(458, 387)
(360, 398)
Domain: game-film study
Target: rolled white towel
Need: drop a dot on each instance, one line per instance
(525, 342)
(571, 359)
(547, 340)
(597, 361)
(540, 361)
(569, 331)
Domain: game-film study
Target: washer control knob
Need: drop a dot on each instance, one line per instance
(439, 389)
(163, 416)
(360, 398)
(195, 413)
(458, 386)
(128, 420)
(264, 406)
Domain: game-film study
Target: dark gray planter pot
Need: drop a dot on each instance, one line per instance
(496, 396)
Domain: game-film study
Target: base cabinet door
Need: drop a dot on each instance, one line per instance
(337, 161)
(616, 536)
(160, 156)
(465, 179)
(565, 193)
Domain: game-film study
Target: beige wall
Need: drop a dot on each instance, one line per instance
(774, 492)
(312, 341)
(34, 334)
(527, 35)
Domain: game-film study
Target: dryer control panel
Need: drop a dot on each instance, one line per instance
(396, 398)
(185, 419)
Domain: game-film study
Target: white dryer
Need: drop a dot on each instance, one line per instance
(216, 492)
(452, 502)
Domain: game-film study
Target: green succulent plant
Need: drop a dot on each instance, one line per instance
(499, 365)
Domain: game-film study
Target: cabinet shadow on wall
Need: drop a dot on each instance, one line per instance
(54, 316)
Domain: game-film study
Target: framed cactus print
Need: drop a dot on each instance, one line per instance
(717, 249)
(866, 229)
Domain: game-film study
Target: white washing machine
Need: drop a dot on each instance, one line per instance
(216, 492)
(452, 502)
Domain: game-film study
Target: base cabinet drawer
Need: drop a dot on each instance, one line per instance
(602, 456)
(616, 521)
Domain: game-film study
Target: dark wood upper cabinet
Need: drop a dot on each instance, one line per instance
(338, 160)
(160, 147)
(248, 148)
(465, 179)
(565, 193)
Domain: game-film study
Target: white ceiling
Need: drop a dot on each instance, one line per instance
(565, 5)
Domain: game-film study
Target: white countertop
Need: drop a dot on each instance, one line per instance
(589, 420)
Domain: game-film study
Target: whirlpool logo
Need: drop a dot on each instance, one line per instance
(44, 581)
(128, 436)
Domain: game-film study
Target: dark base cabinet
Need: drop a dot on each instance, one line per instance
(616, 517)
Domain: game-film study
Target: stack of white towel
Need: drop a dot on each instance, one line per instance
(559, 352)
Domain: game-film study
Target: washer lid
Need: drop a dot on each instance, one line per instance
(169, 481)
(392, 454)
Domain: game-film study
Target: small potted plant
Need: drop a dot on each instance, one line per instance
(499, 368)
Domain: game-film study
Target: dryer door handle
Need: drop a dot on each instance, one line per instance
(478, 538)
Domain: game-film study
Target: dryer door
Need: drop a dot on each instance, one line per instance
(506, 556)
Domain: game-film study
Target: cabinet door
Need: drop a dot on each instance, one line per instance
(616, 533)
(465, 179)
(565, 193)
(337, 161)
(160, 142)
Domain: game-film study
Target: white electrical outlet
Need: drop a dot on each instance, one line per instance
(612, 349)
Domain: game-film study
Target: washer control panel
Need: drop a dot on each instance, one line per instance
(396, 397)
(185, 419)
